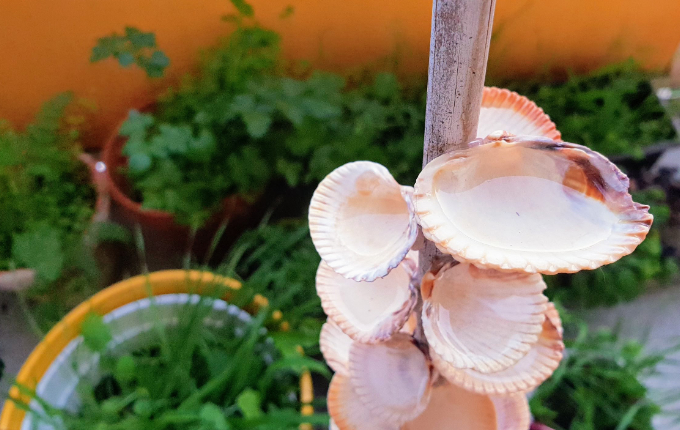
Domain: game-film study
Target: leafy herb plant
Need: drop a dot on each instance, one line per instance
(598, 385)
(46, 196)
(133, 47)
(612, 110)
(243, 123)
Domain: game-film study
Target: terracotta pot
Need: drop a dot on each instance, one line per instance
(125, 306)
(166, 241)
(22, 279)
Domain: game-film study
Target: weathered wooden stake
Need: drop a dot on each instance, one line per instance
(459, 50)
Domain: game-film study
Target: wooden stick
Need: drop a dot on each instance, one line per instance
(459, 50)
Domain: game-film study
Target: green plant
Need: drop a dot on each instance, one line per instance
(279, 262)
(192, 376)
(133, 47)
(598, 385)
(46, 196)
(612, 110)
(242, 123)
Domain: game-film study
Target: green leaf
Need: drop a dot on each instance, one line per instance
(243, 7)
(126, 59)
(125, 369)
(96, 334)
(257, 123)
(138, 163)
(159, 59)
(250, 403)
(100, 52)
(136, 123)
(40, 249)
(140, 39)
(213, 417)
(290, 170)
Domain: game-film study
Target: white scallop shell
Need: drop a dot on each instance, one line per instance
(506, 110)
(362, 221)
(529, 204)
(483, 319)
(335, 345)
(525, 375)
(368, 312)
(348, 411)
(452, 407)
(392, 378)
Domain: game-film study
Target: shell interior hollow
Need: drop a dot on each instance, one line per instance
(530, 204)
(367, 311)
(362, 221)
(483, 319)
(525, 375)
(335, 346)
(391, 378)
(506, 110)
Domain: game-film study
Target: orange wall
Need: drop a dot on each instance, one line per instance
(45, 44)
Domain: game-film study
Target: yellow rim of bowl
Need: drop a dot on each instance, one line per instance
(107, 300)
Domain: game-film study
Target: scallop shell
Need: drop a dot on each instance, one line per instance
(506, 110)
(452, 407)
(393, 378)
(335, 345)
(348, 411)
(483, 319)
(368, 312)
(529, 204)
(362, 221)
(512, 411)
(332, 425)
(554, 318)
(525, 375)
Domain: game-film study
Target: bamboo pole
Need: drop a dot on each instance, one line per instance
(459, 50)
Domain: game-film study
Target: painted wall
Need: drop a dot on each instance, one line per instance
(45, 45)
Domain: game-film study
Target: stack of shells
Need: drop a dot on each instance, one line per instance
(514, 205)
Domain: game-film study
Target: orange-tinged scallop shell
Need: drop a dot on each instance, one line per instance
(523, 203)
(483, 319)
(368, 312)
(362, 221)
(525, 375)
(335, 346)
(452, 407)
(512, 411)
(393, 378)
(506, 110)
(348, 411)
